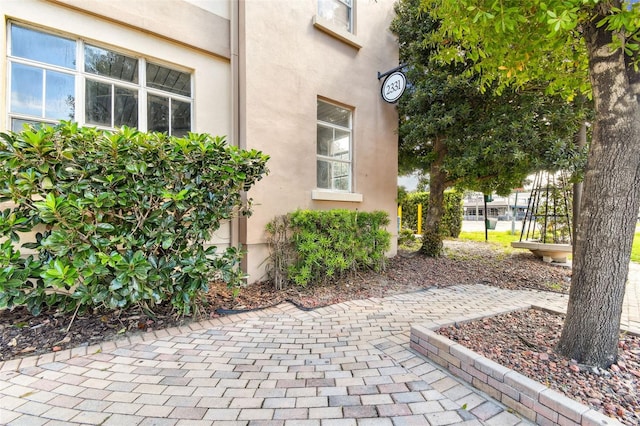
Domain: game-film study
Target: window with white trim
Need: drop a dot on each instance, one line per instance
(55, 78)
(334, 151)
(339, 12)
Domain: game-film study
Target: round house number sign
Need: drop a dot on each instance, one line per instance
(393, 87)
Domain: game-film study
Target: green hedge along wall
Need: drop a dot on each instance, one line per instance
(451, 221)
(312, 246)
(122, 218)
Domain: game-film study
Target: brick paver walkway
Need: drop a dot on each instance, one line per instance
(345, 364)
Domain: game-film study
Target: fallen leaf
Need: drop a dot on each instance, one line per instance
(66, 339)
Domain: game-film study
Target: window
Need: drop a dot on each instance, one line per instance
(339, 12)
(56, 78)
(333, 147)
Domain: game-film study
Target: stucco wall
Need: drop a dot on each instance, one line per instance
(287, 64)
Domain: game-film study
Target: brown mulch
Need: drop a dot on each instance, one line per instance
(464, 263)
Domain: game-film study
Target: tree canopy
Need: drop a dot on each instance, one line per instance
(494, 136)
(464, 136)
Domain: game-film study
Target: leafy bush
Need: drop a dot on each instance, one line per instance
(406, 238)
(313, 246)
(451, 224)
(121, 217)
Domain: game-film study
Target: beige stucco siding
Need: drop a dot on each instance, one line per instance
(197, 24)
(289, 64)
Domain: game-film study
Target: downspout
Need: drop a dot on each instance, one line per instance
(239, 224)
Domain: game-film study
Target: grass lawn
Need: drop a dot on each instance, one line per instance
(504, 238)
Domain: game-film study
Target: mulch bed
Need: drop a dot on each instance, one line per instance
(524, 342)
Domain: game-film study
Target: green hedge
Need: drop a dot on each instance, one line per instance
(451, 221)
(123, 217)
(311, 246)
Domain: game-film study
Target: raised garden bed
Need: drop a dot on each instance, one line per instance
(529, 398)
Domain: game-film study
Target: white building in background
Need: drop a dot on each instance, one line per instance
(500, 208)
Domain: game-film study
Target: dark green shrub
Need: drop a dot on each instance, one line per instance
(319, 245)
(451, 224)
(123, 217)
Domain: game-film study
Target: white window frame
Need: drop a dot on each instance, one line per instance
(81, 76)
(350, 5)
(330, 159)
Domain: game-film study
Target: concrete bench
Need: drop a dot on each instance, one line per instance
(547, 252)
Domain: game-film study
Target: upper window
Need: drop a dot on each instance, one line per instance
(339, 12)
(333, 147)
(56, 78)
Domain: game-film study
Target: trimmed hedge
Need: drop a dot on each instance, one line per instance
(123, 216)
(451, 224)
(311, 246)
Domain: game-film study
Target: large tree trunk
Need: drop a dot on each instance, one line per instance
(609, 208)
(431, 237)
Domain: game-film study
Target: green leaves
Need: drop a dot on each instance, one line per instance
(60, 274)
(566, 20)
(327, 243)
(480, 89)
(520, 42)
(126, 216)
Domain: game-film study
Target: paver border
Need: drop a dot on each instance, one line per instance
(16, 364)
(531, 399)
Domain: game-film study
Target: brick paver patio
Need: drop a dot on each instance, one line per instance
(345, 364)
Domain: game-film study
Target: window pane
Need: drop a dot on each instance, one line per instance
(60, 99)
(169, 80)
(126, 108)
(110, 64)
(158, 114)
(180, 118)
(333, 142)
(333, 175)
(42, 47)
(334, 114)
(340, 176)
(98, 103)
(324, 171)
(340, 145)
(17, 125)
(26, 90)
(336, 11)
(325, 136)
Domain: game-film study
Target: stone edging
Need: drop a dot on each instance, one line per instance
(17, 364)
(531, 399)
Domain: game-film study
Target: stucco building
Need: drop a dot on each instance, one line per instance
(294, 79)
